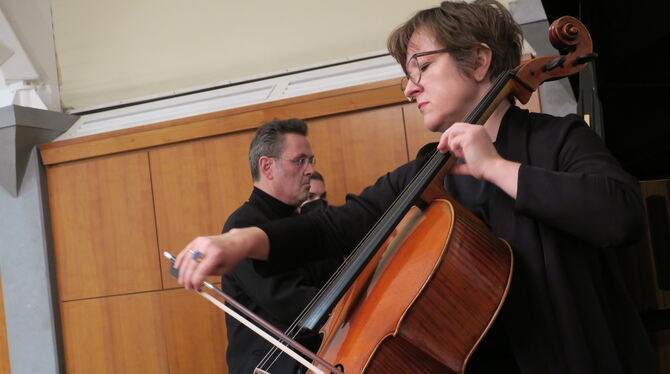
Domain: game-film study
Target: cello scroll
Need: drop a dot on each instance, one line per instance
(572, 39)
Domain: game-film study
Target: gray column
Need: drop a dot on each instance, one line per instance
(26, 248)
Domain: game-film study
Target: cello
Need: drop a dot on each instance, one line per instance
(441, 281)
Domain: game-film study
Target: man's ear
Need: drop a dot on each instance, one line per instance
(265, 166)
(483, 56)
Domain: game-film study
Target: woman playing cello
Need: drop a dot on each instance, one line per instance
(547, 185)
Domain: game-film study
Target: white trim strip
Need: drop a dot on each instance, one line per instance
(261, 91)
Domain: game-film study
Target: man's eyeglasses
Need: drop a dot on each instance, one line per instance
(414, 70)
(301, 162)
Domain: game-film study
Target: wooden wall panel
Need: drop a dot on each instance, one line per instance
(197, 185)
(110, 335)
(195, 333)
(103, 226)
(4, 350)
(320, 104)
(354, 149)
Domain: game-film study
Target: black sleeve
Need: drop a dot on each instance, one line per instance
(335, 231)
(281, 290)
(587, 194)
(245, 216)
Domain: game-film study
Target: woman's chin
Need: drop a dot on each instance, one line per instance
(434, 126)
(434, 122)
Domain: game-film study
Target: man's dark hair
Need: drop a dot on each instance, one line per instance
(316, 175)
(269, 141)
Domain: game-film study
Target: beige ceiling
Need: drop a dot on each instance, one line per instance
(109, 52)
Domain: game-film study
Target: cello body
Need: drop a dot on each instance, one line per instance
(425, 303)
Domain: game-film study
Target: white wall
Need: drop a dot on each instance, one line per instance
(95, 54)
(30, 21)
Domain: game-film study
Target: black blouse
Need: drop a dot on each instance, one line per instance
(567, 311)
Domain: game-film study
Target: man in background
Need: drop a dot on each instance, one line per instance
(317, 193)
(282, 164)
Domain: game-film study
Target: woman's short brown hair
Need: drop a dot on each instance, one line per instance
(462, 27)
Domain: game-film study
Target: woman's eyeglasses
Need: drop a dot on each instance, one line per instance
(414, 70)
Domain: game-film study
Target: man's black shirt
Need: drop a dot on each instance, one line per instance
(275, 291)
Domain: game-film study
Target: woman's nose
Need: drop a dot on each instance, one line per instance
(411, 90)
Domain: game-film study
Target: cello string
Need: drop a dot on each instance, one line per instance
(293, 330)
(278, 344)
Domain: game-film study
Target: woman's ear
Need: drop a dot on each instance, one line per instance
(482, 59)
(265, 167)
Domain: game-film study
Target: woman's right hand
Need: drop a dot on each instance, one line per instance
(219, 254)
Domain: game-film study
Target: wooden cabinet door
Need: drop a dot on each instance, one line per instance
(196, 186)
(110, 335)
(103, 226)
(354, 149)
(195, 333)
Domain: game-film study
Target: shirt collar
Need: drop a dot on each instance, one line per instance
(279, 207)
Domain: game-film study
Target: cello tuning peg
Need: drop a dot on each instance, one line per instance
(584, 59)
(558, 62)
